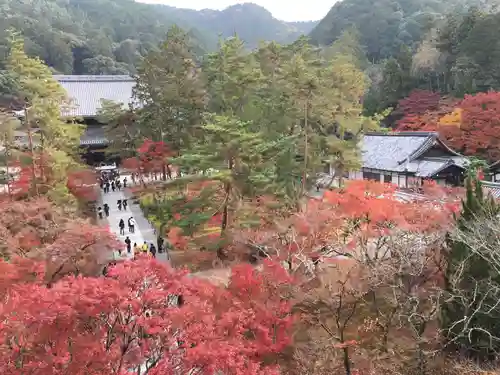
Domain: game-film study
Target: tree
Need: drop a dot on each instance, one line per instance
(145, 315)
(479, 120)
(44, 97)
(233, 157)
(44, 103)
(470, 313)
(8, 125)
(170, 84)
(37, 230)
(121, 126)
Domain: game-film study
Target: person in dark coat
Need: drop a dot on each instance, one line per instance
(124, 203)
(113, 187)
(106, 209)
(119, 204)
(106, 187)
(152, 250)
(125, 183)
(159, 242)
(122, 226)
(129, 244)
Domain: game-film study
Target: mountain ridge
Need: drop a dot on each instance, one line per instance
(112, 36)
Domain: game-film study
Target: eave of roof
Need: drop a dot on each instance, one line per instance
(408, 152)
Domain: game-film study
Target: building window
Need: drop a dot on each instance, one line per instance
(387, 178)
(371, 176)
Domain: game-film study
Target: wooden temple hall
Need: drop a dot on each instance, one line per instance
(406, 159)
(87, 92)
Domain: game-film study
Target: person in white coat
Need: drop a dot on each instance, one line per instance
(131, 225)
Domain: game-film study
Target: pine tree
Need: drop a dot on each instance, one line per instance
(170, 84)
(468, 279)
(233, 163)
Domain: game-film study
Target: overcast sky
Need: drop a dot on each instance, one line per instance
(307, 10)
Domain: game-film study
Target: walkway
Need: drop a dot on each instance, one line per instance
(143, 230)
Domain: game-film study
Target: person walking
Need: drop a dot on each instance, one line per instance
(125, 183)
(106, 187)
(106, 209)
(99, 212)
(113, 187)
(145, 247)
(122, 227)
(129, 244)
(124, 203)
(131, 225)
(159, 242)
(118, 185)
(152, 250)
(119, 204)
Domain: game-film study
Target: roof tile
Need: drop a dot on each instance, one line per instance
(87, 91)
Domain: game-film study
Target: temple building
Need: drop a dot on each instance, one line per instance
(407, 158)
(86, 93)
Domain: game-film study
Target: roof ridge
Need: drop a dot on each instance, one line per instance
(403, 134)
(93, 78)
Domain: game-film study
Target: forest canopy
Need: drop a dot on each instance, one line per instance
(111, 36)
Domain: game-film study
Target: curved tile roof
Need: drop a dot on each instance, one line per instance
(87, 91)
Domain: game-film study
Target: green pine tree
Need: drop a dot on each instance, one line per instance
(170, 84)
(468, 279)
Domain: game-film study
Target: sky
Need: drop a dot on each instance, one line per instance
(309, 10)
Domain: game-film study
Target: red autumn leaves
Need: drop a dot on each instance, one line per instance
(362, 210)
(110, 325)
(470, 126)
(151, 157)
(35, 174)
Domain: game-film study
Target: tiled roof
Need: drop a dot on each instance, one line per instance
(86, 92)
(492, 188)
(400, 152)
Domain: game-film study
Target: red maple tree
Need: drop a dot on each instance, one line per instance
(474, 129)
(83, 184)
(133, 318)
(151, 157)
(418, 102)
(36, 229)
(479, 130)
(355, 215)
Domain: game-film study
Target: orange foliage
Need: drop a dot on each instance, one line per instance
(470, 126)
(360, 211)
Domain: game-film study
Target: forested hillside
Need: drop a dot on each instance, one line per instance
(251, 22)
(111, 36)
(386, 25)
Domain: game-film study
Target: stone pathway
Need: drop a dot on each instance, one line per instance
(143, 230)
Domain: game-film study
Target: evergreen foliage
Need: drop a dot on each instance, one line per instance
(467, 319)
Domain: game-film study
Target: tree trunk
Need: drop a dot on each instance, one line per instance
(7, 171)
(347, 361)
(225, 212)
(30, 143)
(306, 147)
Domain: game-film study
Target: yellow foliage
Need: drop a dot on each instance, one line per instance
(454, 118)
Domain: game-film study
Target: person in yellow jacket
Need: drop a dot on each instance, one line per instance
(144, 247)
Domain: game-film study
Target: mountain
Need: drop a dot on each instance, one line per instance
(251, 22)
(385, 26)
(111, 36)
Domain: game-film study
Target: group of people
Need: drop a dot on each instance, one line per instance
(114, 184)
(131, 225)
(110, 180)
(144, 248)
